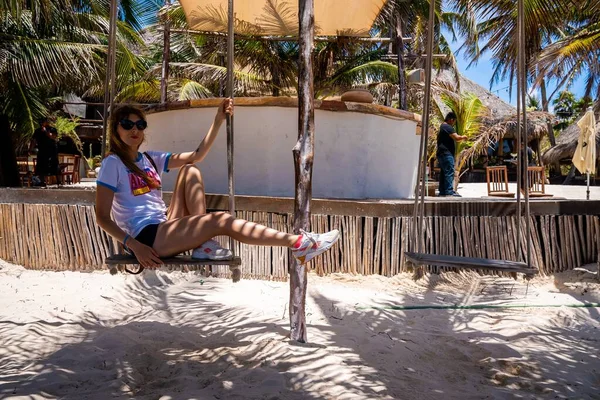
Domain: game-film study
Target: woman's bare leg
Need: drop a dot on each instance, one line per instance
(178, 235)
(188, 195)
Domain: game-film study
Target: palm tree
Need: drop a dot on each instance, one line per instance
(498, 31)
(54, 48)
(410, 18)
(51, 48)
(575, 54)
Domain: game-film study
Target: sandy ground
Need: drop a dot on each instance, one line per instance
(173, 335)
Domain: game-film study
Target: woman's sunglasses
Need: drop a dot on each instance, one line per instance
(128, 124)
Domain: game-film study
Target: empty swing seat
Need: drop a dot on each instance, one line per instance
(469, 263)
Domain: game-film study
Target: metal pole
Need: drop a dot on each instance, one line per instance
(110, 71)
(230, 169)
(519, 132)
(418, 215)
(588, 187)
(164, 78)
(525, 155)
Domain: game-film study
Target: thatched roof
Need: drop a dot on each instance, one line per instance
(566, 143)
(506, 127)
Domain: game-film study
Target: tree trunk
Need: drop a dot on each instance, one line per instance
(9, 172)
(303, 162)
(545, 104)
(544, 95)
(402, 105)
(164, 79)
(275, 81)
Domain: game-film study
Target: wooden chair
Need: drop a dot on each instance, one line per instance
(25, 173)
(69, 168)
(497, 181)
(537, 182)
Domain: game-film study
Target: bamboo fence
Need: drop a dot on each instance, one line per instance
(66, 237)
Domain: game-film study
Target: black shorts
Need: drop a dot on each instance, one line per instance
(147, 235)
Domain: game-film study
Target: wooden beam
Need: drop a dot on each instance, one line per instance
(289, 38)
(392, 56)
(303, 163)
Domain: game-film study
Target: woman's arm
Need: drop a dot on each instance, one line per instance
(181, 159)
(145, 254)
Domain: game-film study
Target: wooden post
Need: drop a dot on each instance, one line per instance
(303, 162)
(164, 76)
(109, 81)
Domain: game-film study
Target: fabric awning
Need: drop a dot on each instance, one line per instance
(280, 18)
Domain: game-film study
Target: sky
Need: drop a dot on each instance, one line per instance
(481, 73)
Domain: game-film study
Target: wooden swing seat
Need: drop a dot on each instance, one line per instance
(469, 263)
(126, 259)
(120, 259)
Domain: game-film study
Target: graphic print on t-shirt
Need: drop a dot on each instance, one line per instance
(138, 185)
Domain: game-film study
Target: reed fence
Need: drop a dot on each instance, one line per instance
(66, 237)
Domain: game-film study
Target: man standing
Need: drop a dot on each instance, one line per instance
(446, 150)
(45, 138)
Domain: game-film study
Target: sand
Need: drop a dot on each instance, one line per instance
(172, 335)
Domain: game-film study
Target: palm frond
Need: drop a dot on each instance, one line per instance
(146, 91)
(24, 107)
(279, 18)
(191, 90)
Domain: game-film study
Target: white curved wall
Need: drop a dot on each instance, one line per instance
(357, 155)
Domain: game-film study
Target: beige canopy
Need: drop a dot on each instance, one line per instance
(280, 17)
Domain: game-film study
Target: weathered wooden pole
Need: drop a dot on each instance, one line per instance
(303, 163)
(109, 81)
(164, 76)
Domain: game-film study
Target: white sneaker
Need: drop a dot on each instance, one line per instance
(313, 244)
(211, 250)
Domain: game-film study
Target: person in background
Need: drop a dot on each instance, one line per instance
(446, 150)
(9, 172)
(45, 139)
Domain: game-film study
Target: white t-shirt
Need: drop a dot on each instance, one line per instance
(135, 205)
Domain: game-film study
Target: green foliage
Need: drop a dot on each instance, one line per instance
(54, 48)
(468, 109)
(533, 103)
(567, 107)
(66, 128)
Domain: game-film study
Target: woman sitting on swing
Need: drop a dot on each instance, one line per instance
(129, 188)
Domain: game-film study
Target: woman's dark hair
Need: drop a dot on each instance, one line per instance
(120, 149)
